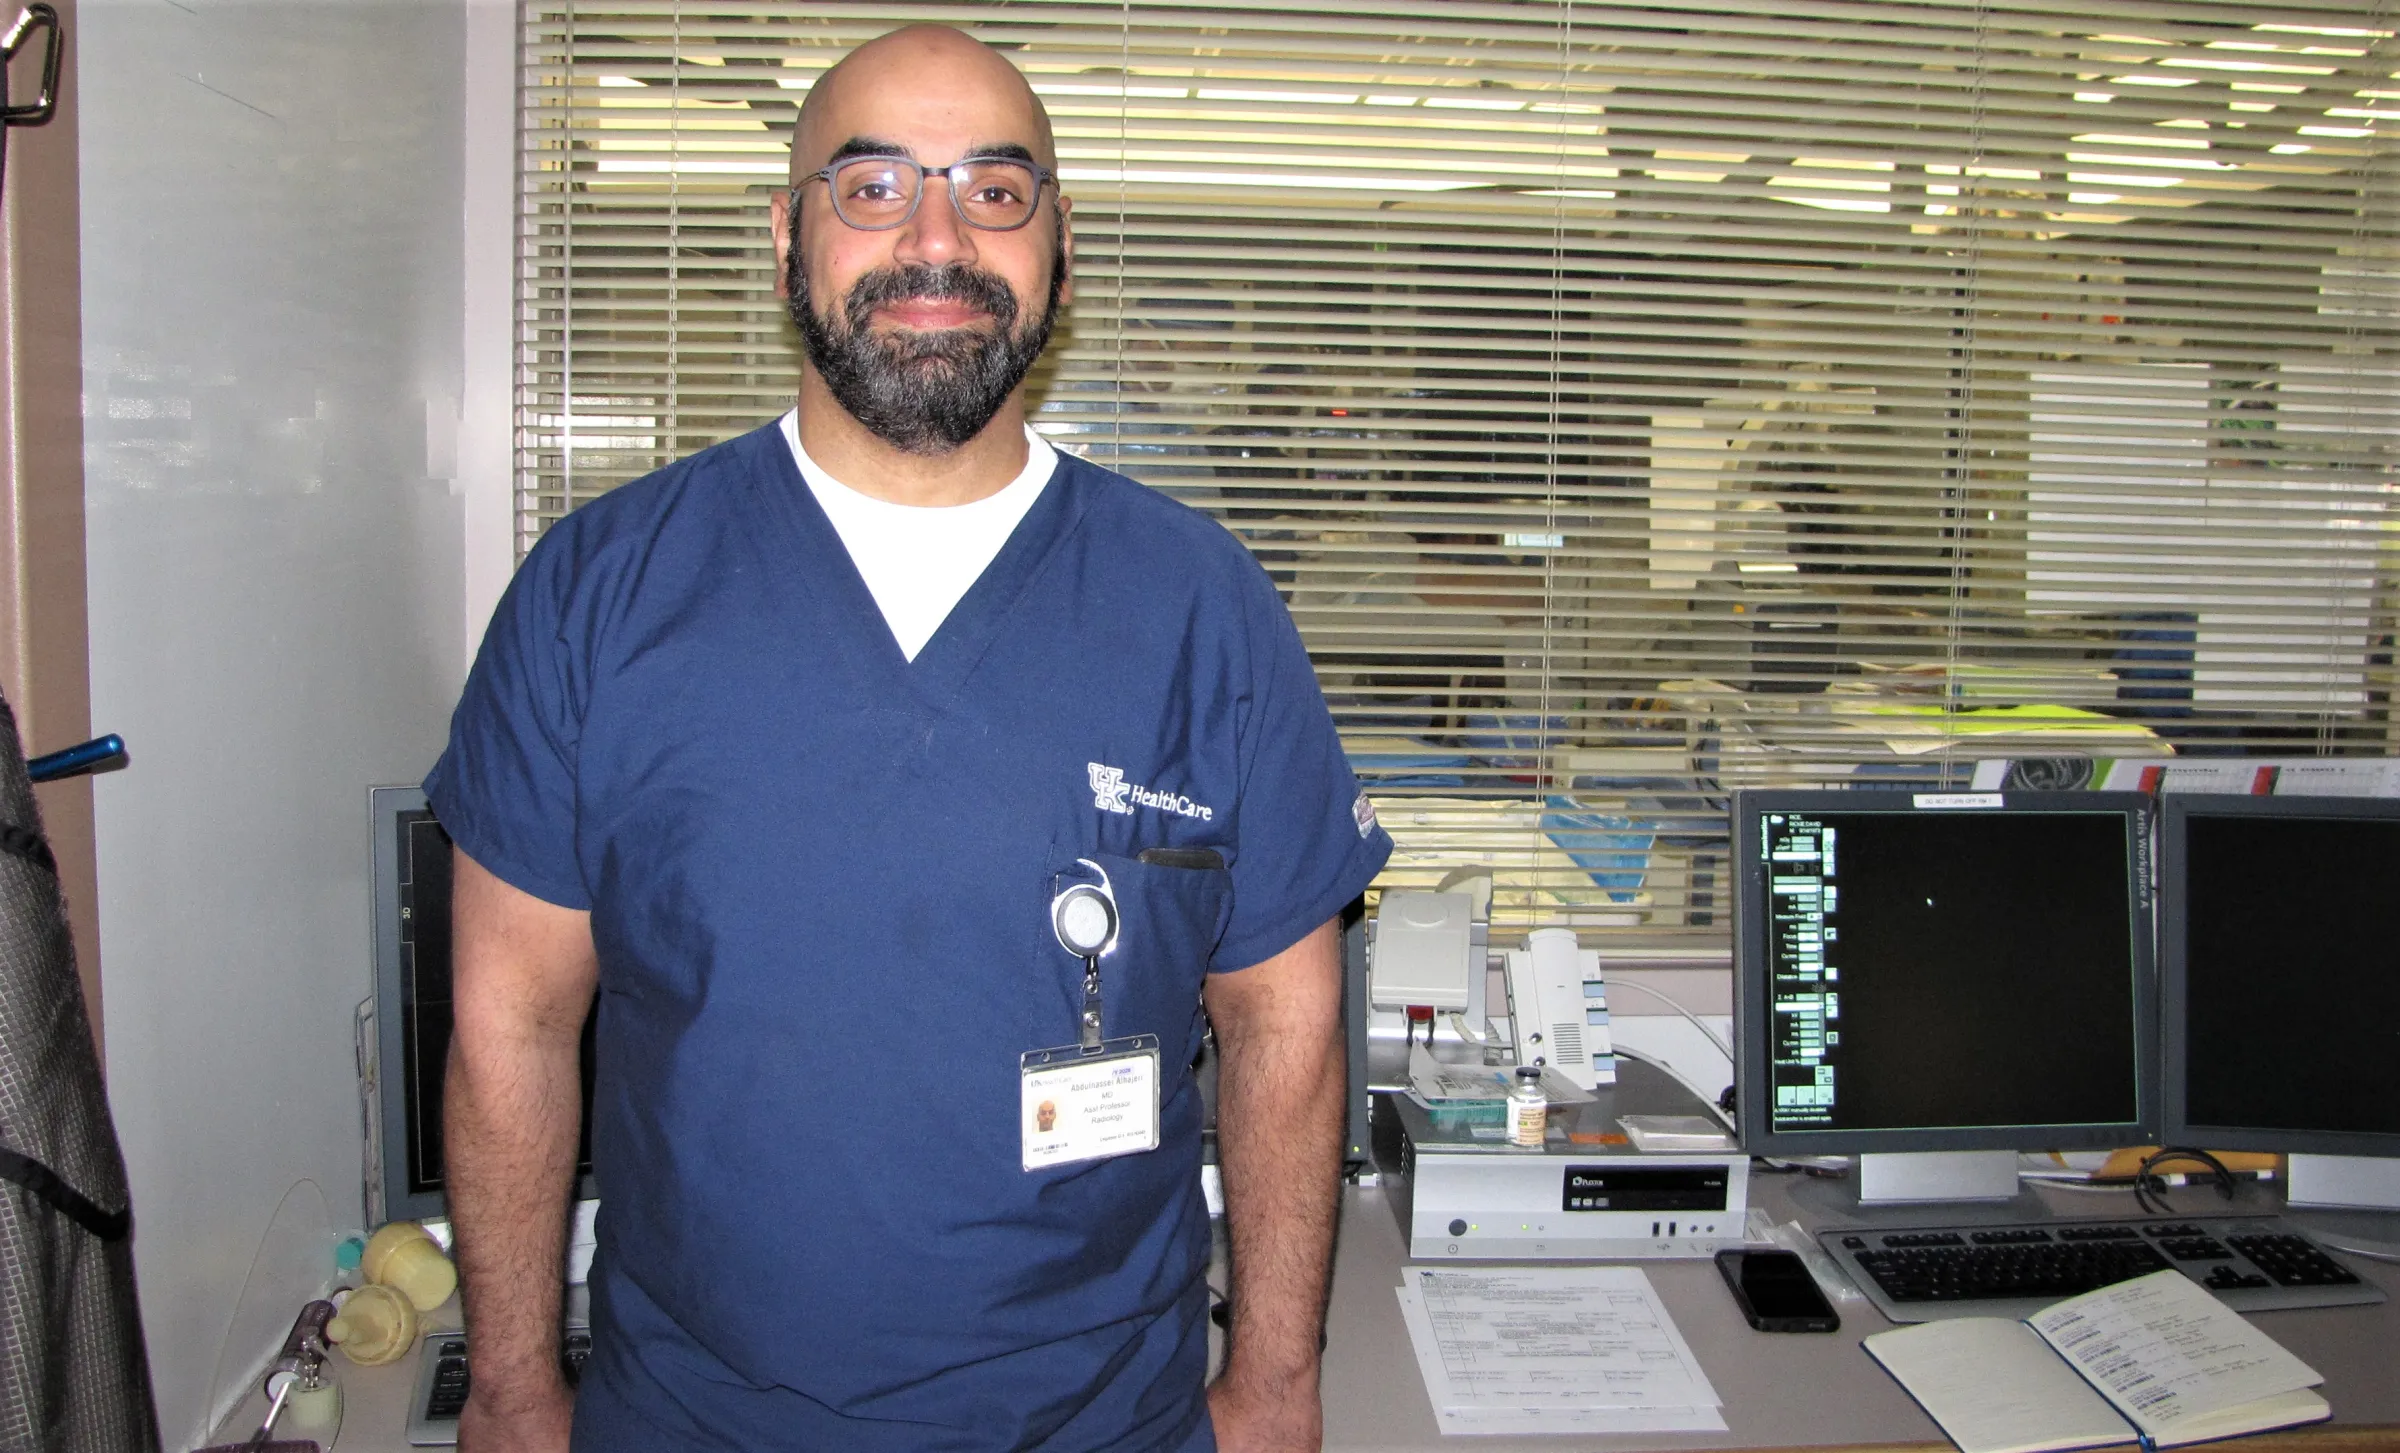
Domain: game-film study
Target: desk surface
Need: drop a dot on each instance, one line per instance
(1790, 1390)
(1780, 1391)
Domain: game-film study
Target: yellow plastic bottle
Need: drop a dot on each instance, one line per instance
(402, 1256)
(375, 1325)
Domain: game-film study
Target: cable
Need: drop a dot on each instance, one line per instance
(1697, 1022)
(2358, 1251)
(2147, 1183)
(1668, 1070)
(2114, 1188)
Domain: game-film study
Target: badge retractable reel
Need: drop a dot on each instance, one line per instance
(1097, 1097)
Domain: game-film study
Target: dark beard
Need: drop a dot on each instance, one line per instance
(925, 393)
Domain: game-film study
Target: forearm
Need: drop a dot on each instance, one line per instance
(1279, 1147)
(511, 1116)
(523, 972)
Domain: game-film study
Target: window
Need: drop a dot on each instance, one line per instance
(1633, 403)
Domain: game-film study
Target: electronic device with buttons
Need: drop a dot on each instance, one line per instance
(443, 1379)
(1587, 1193)
(2016, 1268)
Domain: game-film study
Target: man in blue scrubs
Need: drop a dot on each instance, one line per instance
(813, 754)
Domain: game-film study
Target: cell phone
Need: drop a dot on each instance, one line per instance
(1775, 1291)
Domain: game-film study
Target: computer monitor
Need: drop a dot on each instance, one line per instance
(2279, 962)
(1942, 972)
(407, 1041)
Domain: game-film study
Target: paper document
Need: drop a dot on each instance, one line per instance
(1675, 1132)
(2166, 1350)
(1553, 1349)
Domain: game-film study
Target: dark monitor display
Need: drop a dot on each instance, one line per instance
(1943, 971)
(2279, 960)
(412, 1013)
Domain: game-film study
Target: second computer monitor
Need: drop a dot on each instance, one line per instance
(1943, 972)
(2279, 943)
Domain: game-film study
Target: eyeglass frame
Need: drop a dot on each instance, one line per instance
(1042, 177)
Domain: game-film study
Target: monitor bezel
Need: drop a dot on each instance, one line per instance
(1751, 1075)
(2175, 814)
(388, 1197)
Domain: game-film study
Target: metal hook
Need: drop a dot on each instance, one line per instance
(43, 106)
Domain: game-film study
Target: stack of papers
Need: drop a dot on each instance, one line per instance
(1675, 1132)
(1580, 1349)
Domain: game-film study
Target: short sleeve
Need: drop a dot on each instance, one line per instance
(1308, 841)
(504, 788)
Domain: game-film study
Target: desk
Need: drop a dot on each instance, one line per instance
(1780, 1391)
(1791, 1390)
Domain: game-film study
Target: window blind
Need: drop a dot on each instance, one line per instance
(1633, 402)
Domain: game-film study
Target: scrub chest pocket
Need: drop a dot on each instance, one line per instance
(1169, 917)
(1141, 930)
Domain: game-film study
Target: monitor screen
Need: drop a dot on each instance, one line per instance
(412, 1013)
(2279, 958)
(1942, 971)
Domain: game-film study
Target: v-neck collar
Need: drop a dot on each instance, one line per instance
(950, 655)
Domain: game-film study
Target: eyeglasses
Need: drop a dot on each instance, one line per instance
(878, 193)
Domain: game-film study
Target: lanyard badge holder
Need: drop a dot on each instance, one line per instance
(1097, 1097)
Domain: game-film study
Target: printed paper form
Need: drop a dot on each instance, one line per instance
(2166, 1350)
(1531, 1337)
(1455, 1416)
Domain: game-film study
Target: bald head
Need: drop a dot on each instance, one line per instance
(920, 72)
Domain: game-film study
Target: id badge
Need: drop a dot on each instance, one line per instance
(1077, 1104)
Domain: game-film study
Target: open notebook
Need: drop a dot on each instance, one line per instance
(2155, 1359)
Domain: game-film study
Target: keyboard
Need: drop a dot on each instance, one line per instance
(1926, 1273)
(442, 1381)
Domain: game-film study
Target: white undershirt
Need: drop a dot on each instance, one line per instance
(918, 560)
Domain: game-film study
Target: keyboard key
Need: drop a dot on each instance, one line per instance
(447, 1394)
(449, 1382)
(1943, 1271)
(2292, 1262)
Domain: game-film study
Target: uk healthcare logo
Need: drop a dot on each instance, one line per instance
(1109, 788)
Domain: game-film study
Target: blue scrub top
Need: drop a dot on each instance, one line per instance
(819, 877)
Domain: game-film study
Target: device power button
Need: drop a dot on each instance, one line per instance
(1458, 1228)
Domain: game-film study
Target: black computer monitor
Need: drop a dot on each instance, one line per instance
(1943, 972)
(411, 1025)
(2279, 962)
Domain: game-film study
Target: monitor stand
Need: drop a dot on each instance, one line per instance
(1889, 1178)
(2368, 1182)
